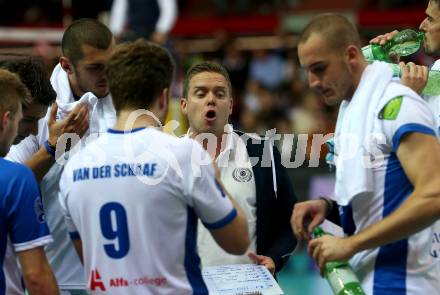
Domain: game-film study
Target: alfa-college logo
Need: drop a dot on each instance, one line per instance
(96, 281)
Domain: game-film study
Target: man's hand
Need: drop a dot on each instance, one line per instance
(329, 248)
(414, 76)
(310, 214)
(76, 122)
(382, 39)
(265, 261)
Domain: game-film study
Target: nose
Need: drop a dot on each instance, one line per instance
(422, 26)
(211, 97)
(314, 82)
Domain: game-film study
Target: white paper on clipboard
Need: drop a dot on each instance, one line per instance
(240, 279)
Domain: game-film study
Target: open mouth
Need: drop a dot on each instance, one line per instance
(210, 115)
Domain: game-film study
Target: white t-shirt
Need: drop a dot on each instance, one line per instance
(134, 200)
(238, 179)
(403, 267)
(434, 105)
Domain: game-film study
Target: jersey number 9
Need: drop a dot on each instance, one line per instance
(113, 219)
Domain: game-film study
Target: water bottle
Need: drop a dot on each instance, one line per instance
(432, 87)
(404, 43)
(339, 274)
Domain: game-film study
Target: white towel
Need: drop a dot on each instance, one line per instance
(102, 112)
(354, 125)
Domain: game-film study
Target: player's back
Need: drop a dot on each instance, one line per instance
(126, 197)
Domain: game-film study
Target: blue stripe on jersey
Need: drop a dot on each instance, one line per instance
(192, 260)
(408, 128)
(390, 267)
(74, 235)
(114, 131)
(224, 221)
(347, 221)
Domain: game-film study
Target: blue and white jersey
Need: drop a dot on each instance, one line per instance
(403, 267)
(134, 199)
(434, 105)
(21, 212)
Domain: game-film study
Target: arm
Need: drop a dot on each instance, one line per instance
(233, 237)
(167, 18)
(37, 274)
(76, 121)
(417, 212)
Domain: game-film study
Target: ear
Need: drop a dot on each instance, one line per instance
(164, 99)
(183, 105)
(231, 106)
(66, 65)
(5, 120)
(352, 55)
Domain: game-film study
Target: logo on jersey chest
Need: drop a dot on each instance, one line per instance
(242, 174)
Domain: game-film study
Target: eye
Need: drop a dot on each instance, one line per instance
(220, 94)
(318, 69)
(95, 67)
(200, 93)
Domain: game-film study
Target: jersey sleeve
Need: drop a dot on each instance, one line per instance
(205, 194)
(406, 115)
(25, 213)
(65, 183)
(23, 151)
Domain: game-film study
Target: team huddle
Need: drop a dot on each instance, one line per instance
(97, 199)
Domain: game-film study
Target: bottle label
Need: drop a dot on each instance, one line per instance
(339, 277)
(367, 51)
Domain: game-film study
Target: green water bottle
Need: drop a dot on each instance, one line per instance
(339, 274)
(432, 87)
(404, 43)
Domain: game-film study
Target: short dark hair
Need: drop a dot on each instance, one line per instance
(335, 29)
(137, 73)
(84, 31)
(12, 92)
(206, 66)
(33, 74)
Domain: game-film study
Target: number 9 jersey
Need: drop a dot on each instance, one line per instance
(134, 199)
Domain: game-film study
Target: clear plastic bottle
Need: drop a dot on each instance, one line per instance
(404, 43)
(339, 274)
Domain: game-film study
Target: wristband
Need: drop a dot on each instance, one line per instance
(50, 148)
(329, 208)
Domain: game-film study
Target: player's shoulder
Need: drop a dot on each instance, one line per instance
(400, 100)
(10, 169)
(15, 177)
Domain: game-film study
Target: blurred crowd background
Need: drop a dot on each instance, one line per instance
(256, 42)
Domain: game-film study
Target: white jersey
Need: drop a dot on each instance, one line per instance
(434, 105)
(61, 255)
(133, 199)
(403, 267)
